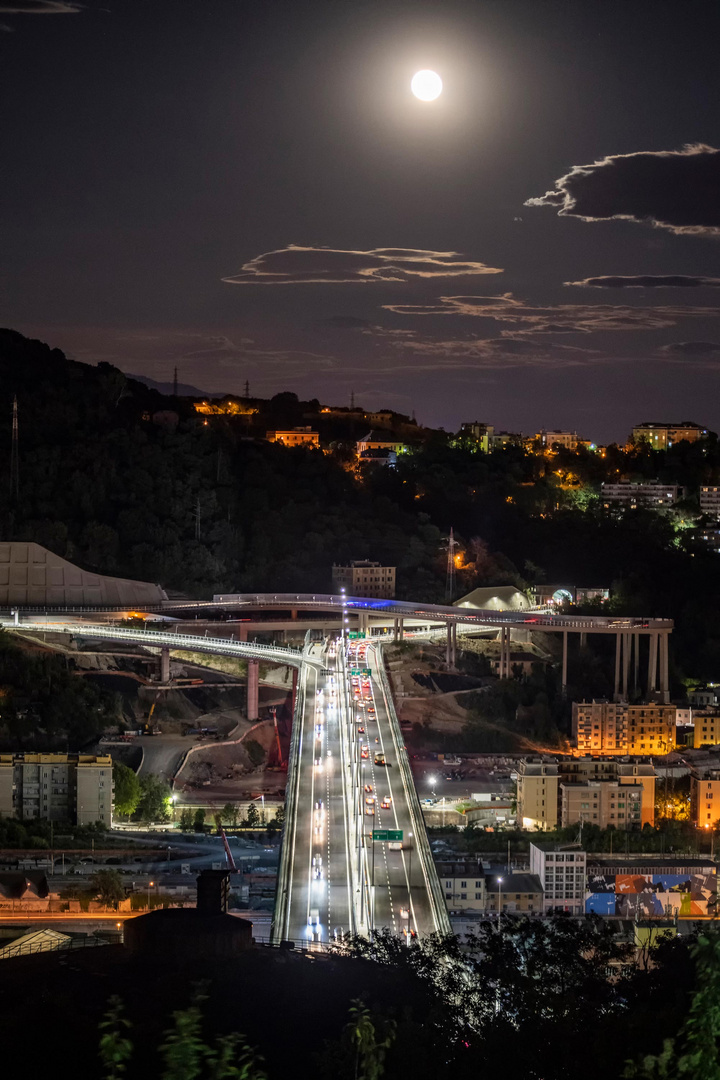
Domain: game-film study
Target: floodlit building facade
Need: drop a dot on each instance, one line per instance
(662, 436)
(365, 578)
(547, 439)
(480, 433)
(57, 787)
(561, 870)
(710, 501)
(380, 440)
(301, 436)
(706, 727)
(463, 883)
(605, 727)
(705, 797)
(568, 791)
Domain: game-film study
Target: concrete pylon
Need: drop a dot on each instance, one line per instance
(563, 685)
(165, 664)
(253, 687)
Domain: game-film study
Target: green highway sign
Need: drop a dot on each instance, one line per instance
(352, 634)
(360, 671)
(387, 834)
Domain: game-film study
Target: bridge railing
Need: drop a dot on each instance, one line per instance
(160, 639)
(281, 911)
(432, 882)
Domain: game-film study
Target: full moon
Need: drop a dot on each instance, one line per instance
(426, 85)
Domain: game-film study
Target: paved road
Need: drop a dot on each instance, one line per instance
(320, 885)
(340, 879)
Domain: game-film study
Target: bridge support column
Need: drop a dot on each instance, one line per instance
(396, 633)
(165, 664)
(652, 666)
(563, 684)
(626, 665)
(401, 630)
(242, 633)
(253, 688)
(454, 644)
(618, 656)
(664, 675)
(449, 659)
(583, 640)
(636, 663)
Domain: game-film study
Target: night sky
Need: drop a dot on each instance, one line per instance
(247, 189)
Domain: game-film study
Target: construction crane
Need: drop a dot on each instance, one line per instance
(228, 853)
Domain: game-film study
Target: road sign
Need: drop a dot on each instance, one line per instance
(387, 834)
(360, 671)
(352, 634)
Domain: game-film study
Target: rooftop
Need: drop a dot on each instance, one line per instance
(514, 883)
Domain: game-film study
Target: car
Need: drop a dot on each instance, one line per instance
(380, 759)
(370, 810)
(368, 788)
(409, 932)
(319, 804)
(395, 845)
(404, 913)
(385, 804)
(365, 755)
(370, 800)
(318, 729)
(361, 731)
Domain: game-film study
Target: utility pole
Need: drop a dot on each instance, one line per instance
(452, 543)
(14, 458)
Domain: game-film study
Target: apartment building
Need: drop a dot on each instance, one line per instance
(561, 870)
(651, 495)
(380, 440)
(300, 436)
(365, 578)
(606, 727)
(662, 436)
(463, 883)
(710, 501)
(57, 787)
(515, 893)
(567, 791)
(706, 730)
(548, 439)
(705, 797)
(480, 433)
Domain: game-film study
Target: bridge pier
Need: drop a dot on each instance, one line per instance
(164, 664)
(253, 689)
(450, 644)
(563, 684)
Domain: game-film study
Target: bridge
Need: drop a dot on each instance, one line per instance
(355, 855)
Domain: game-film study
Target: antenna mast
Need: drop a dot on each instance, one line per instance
(452, 543)
(14, 458)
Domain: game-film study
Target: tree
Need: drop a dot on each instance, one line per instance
(115, 1048)
(229, 814)
(108, 886)
(127, 789)
(252, 819)
(154, 804)
(370, 1039)
(186, 819)
(199, 820)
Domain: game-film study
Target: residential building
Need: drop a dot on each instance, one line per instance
(706, 730)
(378, 456)
(561, 870)
(502, 439)
(708, 538)
(710, 501)
(566, 791)
(57, 787)
(547, 439)
(463, 883)
(537, 794)
(606, 727)
(705, 797)
(662, 436)
(652, 495)
(380, 440)
(703, 697)
(479, 432)
(383, 419)
(514, 893)
(365, 578)
(299, 436)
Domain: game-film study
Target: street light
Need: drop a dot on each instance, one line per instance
(150, 885)
(499, 881)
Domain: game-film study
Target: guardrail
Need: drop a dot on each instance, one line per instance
(159, 639)
(432, 882)
(280, 921)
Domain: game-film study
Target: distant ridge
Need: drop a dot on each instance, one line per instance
(184, 389)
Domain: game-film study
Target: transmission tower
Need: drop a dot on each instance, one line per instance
(14, 457)
(451, 543)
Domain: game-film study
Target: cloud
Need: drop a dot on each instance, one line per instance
(483, 353)
(294, 265)
(521, 317)
(691, 348)
(39, 7)
(678, 190)
(344, 322)
(648, 281)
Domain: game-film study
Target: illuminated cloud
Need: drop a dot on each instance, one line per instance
(294, 265)
(691, 348)
(522, 317)
(678, 190)
(648, 281)
(39, 7)
(482, 353)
